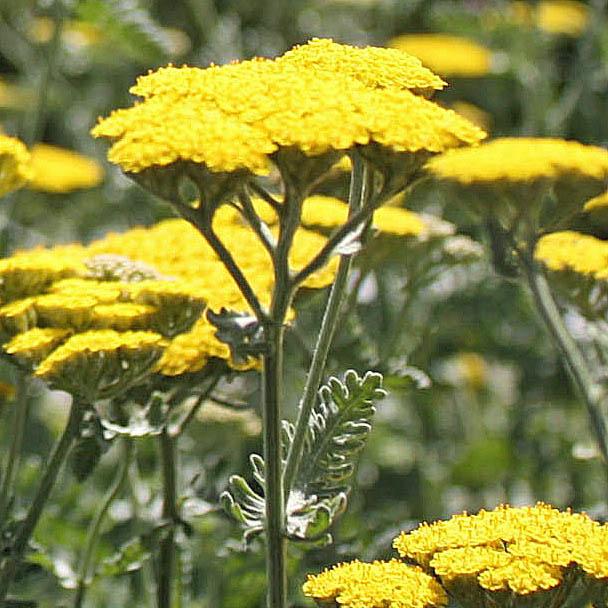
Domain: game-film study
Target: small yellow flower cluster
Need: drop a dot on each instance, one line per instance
(573, 251)
(522, 550)
(522, 160)
(318, 98)
(378, 584)
(59, 170)
(446, 54)
(15, 167)
(567, 17)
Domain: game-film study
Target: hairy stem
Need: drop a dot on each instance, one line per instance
(26, 529)
(166, 558)
(592, 392)
(21, 407)
(97, 522)
(357, 196)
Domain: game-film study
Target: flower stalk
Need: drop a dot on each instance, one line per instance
(592, 392)
(97, 522)
(358, 195)
(26, 529)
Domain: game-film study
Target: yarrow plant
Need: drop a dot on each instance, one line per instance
(223, 129)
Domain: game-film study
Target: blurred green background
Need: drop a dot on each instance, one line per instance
(480, 409)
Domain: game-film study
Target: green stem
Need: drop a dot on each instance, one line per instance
(357, 197)
(591, 391)
(95, 527)
(166, 559)
(12, 463)
(26, 529)
(272, 394)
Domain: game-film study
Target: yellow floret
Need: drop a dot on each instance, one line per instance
(59, 170)
(15, 164)
(375, 585)
(569, 250)
(446, 54)
(122, 316)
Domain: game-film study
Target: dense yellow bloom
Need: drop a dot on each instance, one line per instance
(34, 345)
(446, 54)
(99, 364)
(59, 170)
(524, 550)
(562, 17)
(521, 160)
(597, 203)
(30, 272)
(375, 67)
(15, 168)
(317, 98)
(375, 585)
(569, 250)
(18, 316)
(122, 316)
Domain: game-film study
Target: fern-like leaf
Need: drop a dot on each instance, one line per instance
(338, 429)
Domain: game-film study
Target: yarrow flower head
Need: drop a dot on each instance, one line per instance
(15, 167)
(446, 54)
(300, 112)
(510, 553)
(541, 179)
(59, 170)
(375, 585)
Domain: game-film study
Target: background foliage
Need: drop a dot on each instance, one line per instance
(479, 411)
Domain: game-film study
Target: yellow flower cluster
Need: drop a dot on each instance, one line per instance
(156, 279)
(390, 584)
(520, 550)
(521, 160)
(567, 17)
(573, 251)
(15, 167)
(59, 170)
(317, 98)
(446, 54)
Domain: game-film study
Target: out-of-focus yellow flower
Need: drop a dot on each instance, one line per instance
(15, 165)
(375, 585)
(597, 203)
(520, 550)
(447, 55)
(78, 34)
(473, 113)
(567, 17)
(473, 368)
(59, 170)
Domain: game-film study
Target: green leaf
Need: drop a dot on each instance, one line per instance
(338, 430)
(128, 27)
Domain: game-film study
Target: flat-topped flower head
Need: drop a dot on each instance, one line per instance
(32, 346)
(375, 67)
(567, 17)
(378, 584)
(578, 264)
(59, 170)
(15, 165)
(100, 364)
(300, 111)
(513, 177)
(30, 272)
(508, 553)
(446, 54)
